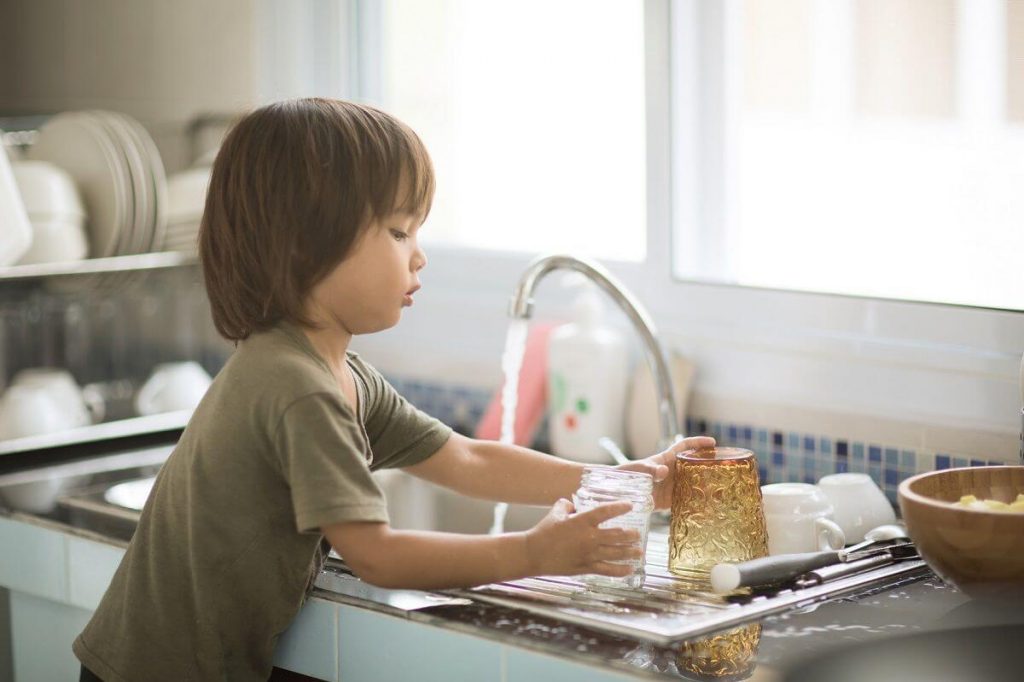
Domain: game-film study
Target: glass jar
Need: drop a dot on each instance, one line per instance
(601, 485)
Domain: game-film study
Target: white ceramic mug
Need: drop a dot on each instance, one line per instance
(55, 211)
(171, 387)
(798, 517)
(859, 504)
(31, 410)
(15, 228)
(64, 390)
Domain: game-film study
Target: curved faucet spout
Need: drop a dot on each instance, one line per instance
(521, 306)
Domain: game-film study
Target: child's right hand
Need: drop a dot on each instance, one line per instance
(561, 544)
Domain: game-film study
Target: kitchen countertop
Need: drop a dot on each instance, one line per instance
(756, 651)
(760, 650)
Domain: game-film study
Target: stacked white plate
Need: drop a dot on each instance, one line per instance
(186, 199)
(119, 174)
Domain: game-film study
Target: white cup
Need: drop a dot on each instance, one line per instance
(171, 387)
(56, 241)
(31, 410)
(15, 228)
(859, 504)
(798, 519)
(55, 211)
(63, 389)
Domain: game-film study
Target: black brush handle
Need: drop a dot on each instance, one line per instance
(769, 570)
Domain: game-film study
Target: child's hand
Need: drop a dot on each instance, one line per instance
(561, 544)
(662, 467)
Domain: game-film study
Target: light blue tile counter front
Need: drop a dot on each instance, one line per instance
(91, 567)
(33, 560)
(310, 646)
(373, 646)
(57, 580)
(525, 666)
(41, 635)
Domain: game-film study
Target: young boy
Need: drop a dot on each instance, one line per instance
(309, 237)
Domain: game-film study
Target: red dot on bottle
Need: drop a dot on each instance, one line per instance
(570, 421)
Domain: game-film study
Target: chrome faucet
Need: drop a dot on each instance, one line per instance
(521, 306)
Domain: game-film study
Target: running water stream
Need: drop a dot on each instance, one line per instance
(511, 364)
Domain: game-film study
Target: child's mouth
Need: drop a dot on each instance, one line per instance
(407, 301)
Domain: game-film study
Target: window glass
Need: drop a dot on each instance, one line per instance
(866, 147)
(533, 112)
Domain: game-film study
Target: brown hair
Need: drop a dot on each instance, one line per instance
(294, 185)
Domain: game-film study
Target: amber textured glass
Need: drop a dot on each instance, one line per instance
(716, 511)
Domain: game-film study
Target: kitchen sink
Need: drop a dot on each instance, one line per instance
(130, 495)
(113, 510)
(91, 509)
(75, 492)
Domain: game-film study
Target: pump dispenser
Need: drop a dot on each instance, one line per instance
(588, 373)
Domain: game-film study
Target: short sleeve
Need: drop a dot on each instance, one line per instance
(399, 433)
(322, 458)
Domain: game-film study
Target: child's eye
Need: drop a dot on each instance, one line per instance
(399, 235)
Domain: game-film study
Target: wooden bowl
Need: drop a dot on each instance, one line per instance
(981, 552)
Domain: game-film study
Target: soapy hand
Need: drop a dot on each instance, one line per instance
(563, 543)
(662, 467)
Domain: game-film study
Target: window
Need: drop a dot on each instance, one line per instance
(533, 112)
(865, 147)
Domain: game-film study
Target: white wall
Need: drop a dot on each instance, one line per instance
(161, 61)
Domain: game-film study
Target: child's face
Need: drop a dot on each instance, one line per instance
(366, 292)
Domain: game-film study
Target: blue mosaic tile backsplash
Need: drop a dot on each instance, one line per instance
(781, 455)
(790, 456)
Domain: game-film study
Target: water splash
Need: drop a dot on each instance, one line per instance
(511, 364)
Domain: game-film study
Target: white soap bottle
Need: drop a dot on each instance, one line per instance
(588, 373)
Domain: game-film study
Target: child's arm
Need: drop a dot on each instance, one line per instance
(509, 473)
(559, 545)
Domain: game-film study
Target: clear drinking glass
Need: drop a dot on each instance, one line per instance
(601, 485)
(716, 511)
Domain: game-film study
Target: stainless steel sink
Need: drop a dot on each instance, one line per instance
(130, 494)
(95, 509)
(78, 492)
(36, 490)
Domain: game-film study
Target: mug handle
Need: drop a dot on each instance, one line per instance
(830, 535)
(95, 405)
(149, 393)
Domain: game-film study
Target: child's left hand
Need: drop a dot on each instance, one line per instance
(662, 467)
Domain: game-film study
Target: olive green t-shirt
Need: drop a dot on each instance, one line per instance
(229, 540)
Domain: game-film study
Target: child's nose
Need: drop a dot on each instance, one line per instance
(419, 260)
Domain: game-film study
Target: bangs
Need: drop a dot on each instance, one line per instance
(406, 182)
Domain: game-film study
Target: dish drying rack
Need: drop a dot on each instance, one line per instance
(668, 609)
